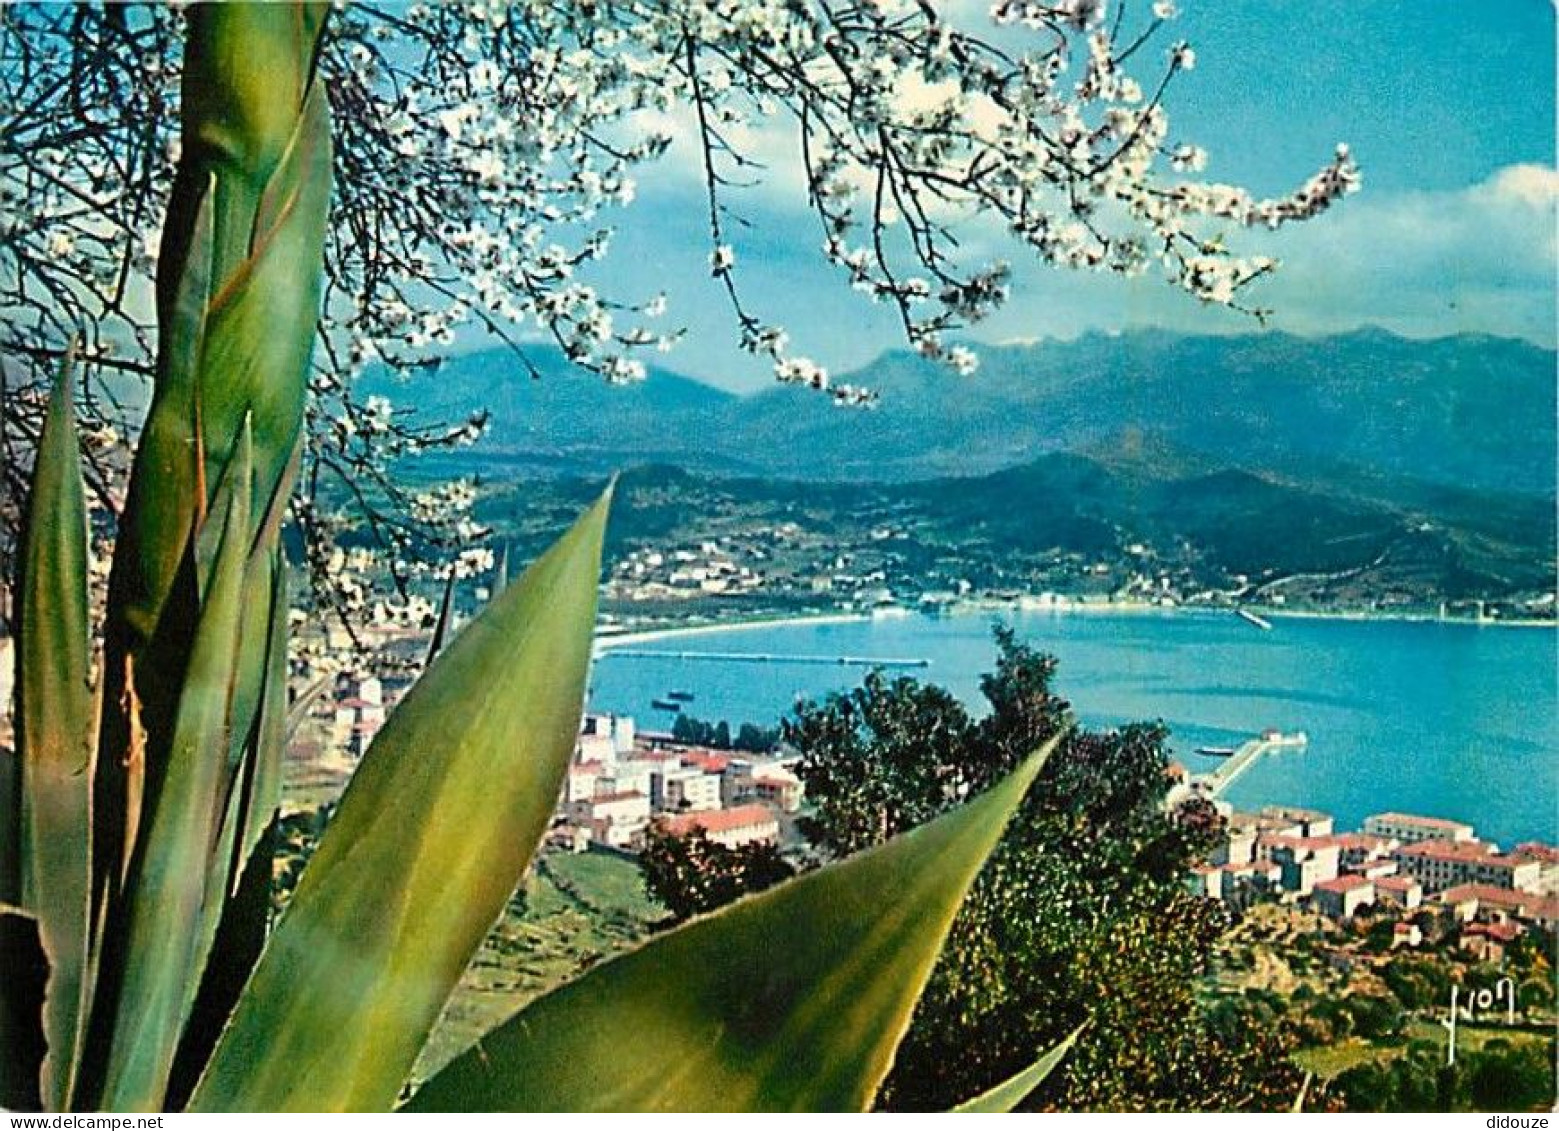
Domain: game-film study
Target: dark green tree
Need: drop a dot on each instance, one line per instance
(1080, 916)
(690, 874)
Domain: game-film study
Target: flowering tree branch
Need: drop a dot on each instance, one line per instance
(482, 146)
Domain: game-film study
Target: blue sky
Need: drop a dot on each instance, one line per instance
(1448, 106)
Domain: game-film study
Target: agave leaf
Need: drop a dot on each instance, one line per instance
(792, 1000)
(501, 575)
(240, 881)
(446, 612)
(432, 835)
(298, 710)
(55, 732)
(1011, 1092)
(238, 302)
(169, 918)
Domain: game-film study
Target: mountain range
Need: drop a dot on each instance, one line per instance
(1366, 414)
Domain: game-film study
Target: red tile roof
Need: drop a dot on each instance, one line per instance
(1500, 932)
(621, 795)
(1422, 822)
(1474, 850)
(720, 820)
(1523, 903)
(1369, 842)
(1537, 850)
(1397, 883)
(1344, 884)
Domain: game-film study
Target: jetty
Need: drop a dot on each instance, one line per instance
(1246, 756)
(768, 658)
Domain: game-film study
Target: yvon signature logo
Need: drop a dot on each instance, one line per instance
(1475, 1003)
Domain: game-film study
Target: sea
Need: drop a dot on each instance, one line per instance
(1444, 719)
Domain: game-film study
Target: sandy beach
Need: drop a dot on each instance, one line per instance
(651, 635)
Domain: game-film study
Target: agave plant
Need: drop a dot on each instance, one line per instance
(136, 820)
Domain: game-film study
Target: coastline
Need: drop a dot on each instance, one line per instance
(605, 644)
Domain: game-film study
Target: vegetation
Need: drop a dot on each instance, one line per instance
(1081, 920)
(142, 972)
(691, 874)
(749, 737)
(1497, 1075)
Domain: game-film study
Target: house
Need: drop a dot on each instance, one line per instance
(614, 819)
(1475, 901)
(1403, 892)
(1486, 942)
(1360, 848)
(1304, 861)
(745, 824)
(1311, 822)
(1239, 844)
(1240, 885)
(1547, 858)
(1411, 829)
(1206, 880)
(582, 780)
(684, 788)
(596, 748)
(1406, 935)
(778, 786)
(1342, 896)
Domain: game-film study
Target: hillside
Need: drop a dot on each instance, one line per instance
(1063, 523)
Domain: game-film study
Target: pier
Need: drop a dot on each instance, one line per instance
(1244, 758)
(768, 658)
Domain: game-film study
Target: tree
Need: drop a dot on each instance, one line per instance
(481, 148)
(691, 874)
(1081, 914)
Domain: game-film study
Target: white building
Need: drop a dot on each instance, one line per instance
(684, 789)
(1342, 896)
(1411, 829)
(1441, 864)
(745, 824)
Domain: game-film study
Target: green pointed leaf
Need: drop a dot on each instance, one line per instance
(446, 613)
(1011, 1092)
(298, 710)
(501, 575)
(55, 732)
(431, 838)
(243, 886)
(792, 1000)
(170, 918)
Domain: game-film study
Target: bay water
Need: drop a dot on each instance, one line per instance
(1444, 719)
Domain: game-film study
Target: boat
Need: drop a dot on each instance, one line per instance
(1216, 751)
(1251, 618)
(680, 696)
(665, 705)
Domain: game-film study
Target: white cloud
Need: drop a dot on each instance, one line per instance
(1477, 259)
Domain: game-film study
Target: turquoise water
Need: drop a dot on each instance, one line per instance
(1451, 720)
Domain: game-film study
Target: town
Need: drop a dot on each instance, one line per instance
(1396, 865)
(1397, 868)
